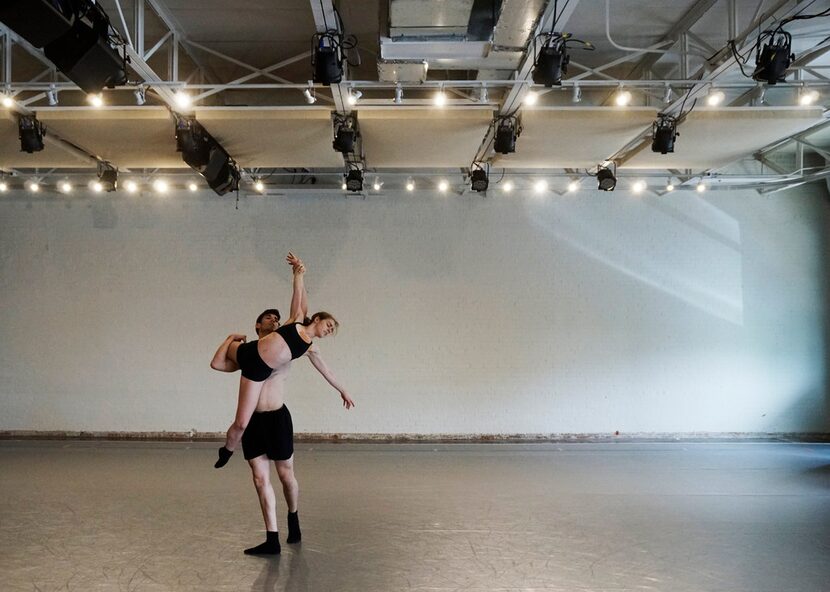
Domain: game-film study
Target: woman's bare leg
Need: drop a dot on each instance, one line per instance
(248, 399)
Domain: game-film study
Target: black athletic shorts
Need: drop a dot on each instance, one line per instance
(271, 433)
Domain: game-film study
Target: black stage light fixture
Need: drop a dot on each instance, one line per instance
(664, 132)
(107, 176)
(193, 142)
(551, 62)
(354, 180)
(606, 179)
(221, 172)
(478, 180)
(327, 57)
(38, 21)
(201, 152)
(772, 61)
(31, 134)
(345, 133)
(507, 130)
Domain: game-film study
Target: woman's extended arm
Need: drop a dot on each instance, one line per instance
(220, 360)
(299, 306)
(322, 368)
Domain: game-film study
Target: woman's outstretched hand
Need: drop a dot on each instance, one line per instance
(295, 262)
(347, 400)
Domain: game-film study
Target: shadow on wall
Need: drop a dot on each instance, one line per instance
(679, 244)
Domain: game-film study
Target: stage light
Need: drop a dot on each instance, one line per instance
(327, 60)
(410, 184)
(65, 187)
(192, 186)
(508, 187)
(377, 184)
(97, 186)
(442, 185)
(131, 186)
(4, 186)
(160, 186)
(478, 180)
(107, 176)
(638, 186)
(345, 134)
(507, 130)
(807, 97)
(715, 98)
(573, 186)
(30, 132)
(183, 100)
(354, 180)
(95, 99)
(701, 187)
(670, 187)
(552, 60)
(606, 180)
(343, 185)
(259, 185)
(772, 62)
(531, 98)
(576, 97)
(84, 52)
(540, 186)
(664, 133)
(193, 141)
(8, 101)
(140, 95)
(354, 96)
(309, 94)
(34, 186)
(440, 98)
(622, 98)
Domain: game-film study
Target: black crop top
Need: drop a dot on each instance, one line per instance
(296, 344)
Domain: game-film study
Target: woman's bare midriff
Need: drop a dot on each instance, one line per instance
(272, 395)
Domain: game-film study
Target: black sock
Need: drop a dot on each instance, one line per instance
(271, 546)
(294, 534)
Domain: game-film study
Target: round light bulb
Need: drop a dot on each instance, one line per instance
(531, 98)
(8, 102)
(669, 187)
(573, 186)
(131, 186)
(160, 186)
(508, 187)
(65, 186)
(808, 98)
(443, 185)
(410, 185)
(4, 186)
(715, 98)
(701, 188)
(97, 187)
(183, 99)
(440, 98)
(259, 186)
(540, 186)
(638, 186)
(96, 100)
(193, 187)
(623, 98)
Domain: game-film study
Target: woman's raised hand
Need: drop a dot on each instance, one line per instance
(236, 337)
(295, 262)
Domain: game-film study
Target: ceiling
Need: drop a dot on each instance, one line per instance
(479, 52)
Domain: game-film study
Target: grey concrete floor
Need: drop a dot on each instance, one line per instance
(92, 516)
